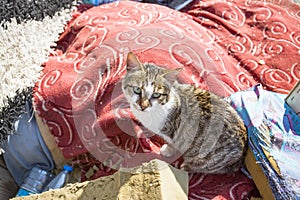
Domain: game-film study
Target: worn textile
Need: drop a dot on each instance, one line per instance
(274, 127)
(26, 148)
(261, 38)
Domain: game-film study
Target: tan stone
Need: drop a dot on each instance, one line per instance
(153, 180)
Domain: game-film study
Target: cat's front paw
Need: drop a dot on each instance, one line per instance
(166, 151)
(185, 167)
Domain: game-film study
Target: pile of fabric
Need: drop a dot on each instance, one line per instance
(274, 138)
(223, 46)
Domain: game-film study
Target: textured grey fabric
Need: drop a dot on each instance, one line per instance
(31, 10)
(12, 111)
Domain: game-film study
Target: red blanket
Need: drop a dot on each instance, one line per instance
(222, 46)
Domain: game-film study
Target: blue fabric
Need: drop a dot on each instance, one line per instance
(26, 148)
(97, 2)
(273, 126)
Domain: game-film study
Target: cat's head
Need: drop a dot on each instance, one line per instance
(145, 85)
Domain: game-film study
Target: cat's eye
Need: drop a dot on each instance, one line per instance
(137, 90)
(156, 95)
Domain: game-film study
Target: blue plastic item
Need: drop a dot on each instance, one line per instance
(59, 180)
(22, 192)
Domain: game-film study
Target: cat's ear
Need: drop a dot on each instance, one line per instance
(171, 71)
(133, 62)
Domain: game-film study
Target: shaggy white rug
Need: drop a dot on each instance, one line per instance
(28, 32)
(24, 47)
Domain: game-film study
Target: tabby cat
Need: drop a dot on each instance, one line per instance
(198, 124)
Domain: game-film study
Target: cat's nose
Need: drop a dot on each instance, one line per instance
(145, 104)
